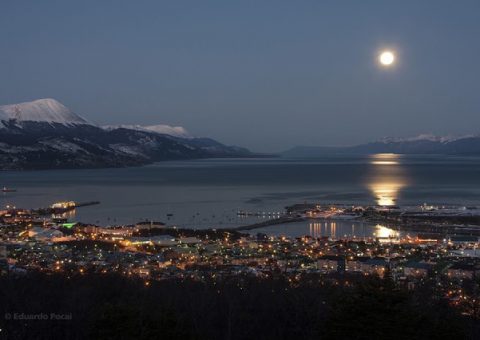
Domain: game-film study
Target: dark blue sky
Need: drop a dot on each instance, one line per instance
(263, 74)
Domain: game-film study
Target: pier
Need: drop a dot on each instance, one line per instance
(62, 207)
(274, 221)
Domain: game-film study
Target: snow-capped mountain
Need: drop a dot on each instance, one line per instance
(176, 131)
(45, 134)
(422, 144)
(41, 110)
(424, 137)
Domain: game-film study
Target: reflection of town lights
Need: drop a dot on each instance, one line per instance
(384, 232)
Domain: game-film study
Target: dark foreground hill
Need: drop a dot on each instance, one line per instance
(100, 306)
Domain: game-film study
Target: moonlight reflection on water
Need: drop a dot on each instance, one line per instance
(388, 177)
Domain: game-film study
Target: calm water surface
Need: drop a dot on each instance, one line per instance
(208, 193)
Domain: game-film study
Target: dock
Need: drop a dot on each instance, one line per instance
(280, 220)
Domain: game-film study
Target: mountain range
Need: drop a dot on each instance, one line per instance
(422, 144)
(45, 134)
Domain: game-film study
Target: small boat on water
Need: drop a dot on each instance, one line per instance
(5, 189)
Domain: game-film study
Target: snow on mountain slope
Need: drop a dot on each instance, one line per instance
(422, 144)
(175, 131)
(41, 110)
(51, 111)
(424, 137)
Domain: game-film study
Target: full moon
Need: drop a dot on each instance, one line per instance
(386, 58)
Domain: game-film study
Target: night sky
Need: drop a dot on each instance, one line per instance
(267, 75)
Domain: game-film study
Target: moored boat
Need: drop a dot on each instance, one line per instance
(5, 189)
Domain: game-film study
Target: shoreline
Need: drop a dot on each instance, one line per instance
(472, 230)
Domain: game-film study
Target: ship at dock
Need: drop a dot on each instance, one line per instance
(5, 189)
(63, 207)
(68, 205)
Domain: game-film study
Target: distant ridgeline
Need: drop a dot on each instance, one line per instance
(44, 134)
(423, 144)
